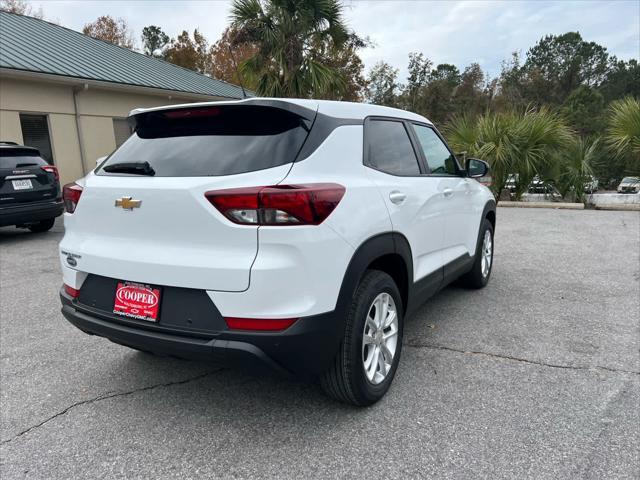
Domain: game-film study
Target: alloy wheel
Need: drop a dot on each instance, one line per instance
(380, 338)
(487, 253)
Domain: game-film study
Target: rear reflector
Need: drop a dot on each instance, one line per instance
(281, 205)
(51, 169)
(72, 292)
(71, 194)
(259, 324)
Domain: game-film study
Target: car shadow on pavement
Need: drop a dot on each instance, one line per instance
(230, 391)
(13, 234)
(215, 390)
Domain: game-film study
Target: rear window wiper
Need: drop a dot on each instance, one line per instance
(137, 168)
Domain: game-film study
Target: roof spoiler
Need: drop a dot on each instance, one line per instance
(308, 115)
(300, 110)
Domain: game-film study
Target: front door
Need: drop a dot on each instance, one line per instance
(457, 193)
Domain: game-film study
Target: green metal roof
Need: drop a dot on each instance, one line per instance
(33, 45)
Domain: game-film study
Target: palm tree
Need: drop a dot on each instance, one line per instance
(576, 162)
(623, 133)
(512, 142)
(291, 36)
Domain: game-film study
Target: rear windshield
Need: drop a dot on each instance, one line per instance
(212, 141)
(19, 161)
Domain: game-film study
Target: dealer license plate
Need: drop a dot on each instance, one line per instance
(137, 300)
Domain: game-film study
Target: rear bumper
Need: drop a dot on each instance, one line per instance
(30, 213)
(305, 349)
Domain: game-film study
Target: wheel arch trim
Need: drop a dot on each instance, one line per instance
(372, 249)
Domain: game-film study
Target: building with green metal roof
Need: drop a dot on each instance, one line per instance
(69, 94)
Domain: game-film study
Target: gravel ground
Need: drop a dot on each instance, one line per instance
(536, 376)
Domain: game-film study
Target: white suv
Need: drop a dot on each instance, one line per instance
(296, 235)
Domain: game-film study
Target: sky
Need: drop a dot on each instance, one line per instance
(457, 32)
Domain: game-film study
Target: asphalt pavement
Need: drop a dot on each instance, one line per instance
(535, 376)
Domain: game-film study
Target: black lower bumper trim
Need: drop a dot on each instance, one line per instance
(305, 349)
(30, 213)
(216, 350)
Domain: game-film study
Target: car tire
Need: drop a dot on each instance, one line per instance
(348, 379)
(43, 225)
(480, 273)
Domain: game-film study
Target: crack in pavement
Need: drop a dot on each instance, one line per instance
(105, 396)
(109, 395)
(516, 359)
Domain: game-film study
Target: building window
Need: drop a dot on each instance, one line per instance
(35, 133)
(122, 130)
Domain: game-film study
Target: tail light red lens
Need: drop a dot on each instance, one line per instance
(51, 169)
(72, 292)
(71, 195)
(259, 324)
(276, 205)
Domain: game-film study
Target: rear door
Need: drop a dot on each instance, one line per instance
(154, 225)
(412, 198)
(23, 178)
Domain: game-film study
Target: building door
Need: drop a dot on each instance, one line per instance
(35, 133)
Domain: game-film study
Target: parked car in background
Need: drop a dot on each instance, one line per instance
(539, 185)
(629, 185)
(591, 185)
(291, 247)
(512, 182)
(30, 194)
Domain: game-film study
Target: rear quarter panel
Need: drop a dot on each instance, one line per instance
(299, 270)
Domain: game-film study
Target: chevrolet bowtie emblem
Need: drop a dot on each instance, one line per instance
(128, 203)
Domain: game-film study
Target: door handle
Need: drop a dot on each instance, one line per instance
(397, 197)
(447, 192)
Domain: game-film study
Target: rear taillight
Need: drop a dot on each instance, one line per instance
(259, 324)
(71, 194)
(51, 169)
(279, 204)
(72, 292)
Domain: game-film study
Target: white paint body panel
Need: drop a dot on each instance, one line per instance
(175, 238)
(299, 270)
(420, 217)
(462, 210)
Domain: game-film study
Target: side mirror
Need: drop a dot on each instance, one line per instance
(477, 168)
(100, 160)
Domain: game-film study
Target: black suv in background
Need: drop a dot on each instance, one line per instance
(30, 194)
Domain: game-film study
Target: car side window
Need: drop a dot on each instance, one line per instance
(389, 148)
(439, 159)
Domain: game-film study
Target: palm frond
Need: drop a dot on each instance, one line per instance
(623, 133)
(246, 10)
(292, 37)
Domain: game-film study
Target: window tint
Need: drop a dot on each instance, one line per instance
(35, 132)
(389, 148)
(439, 158)
(8, 160)
(212, 141)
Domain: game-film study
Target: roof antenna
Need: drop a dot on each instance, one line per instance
(235, 65)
